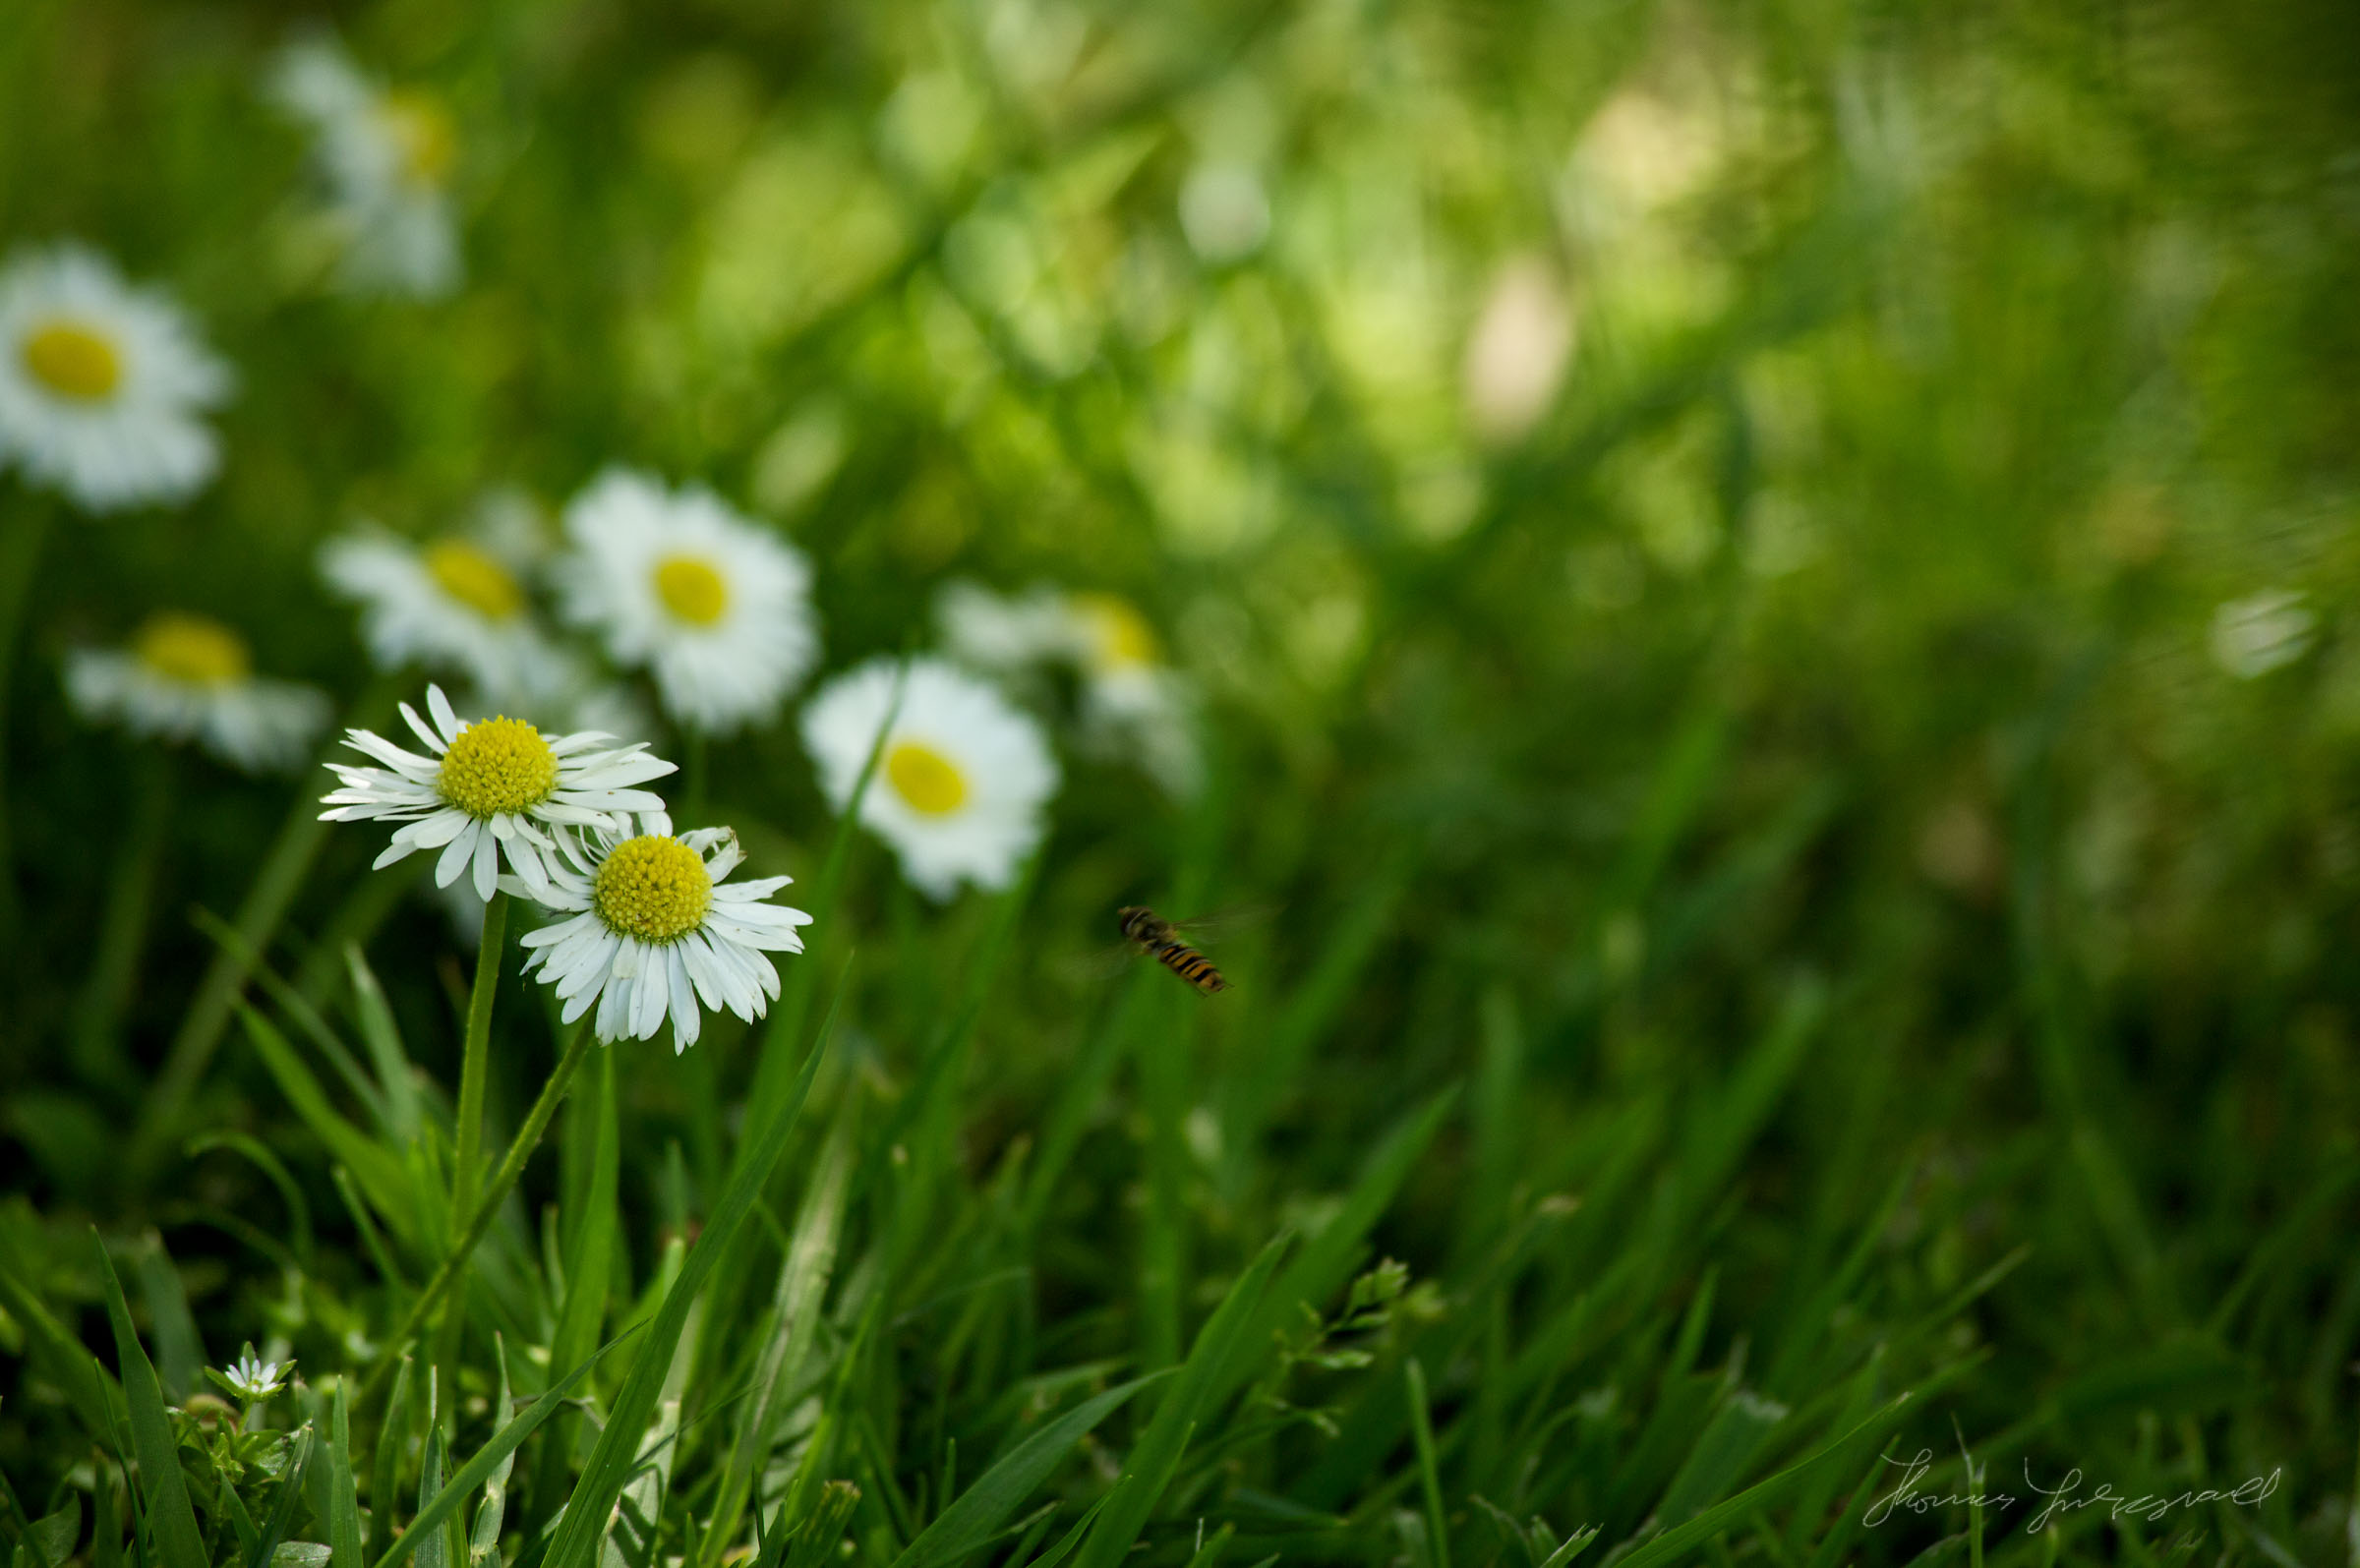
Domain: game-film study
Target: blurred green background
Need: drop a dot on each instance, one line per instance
(1711, 540)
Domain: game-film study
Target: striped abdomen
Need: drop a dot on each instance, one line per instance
(1191, 965)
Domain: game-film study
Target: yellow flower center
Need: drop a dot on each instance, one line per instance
(927, 780)
(424, 136)
(654, 887)
(691, 590)
(73, 359)
(191, 649)
(1119, 636)
(496, 766)
(474, 577)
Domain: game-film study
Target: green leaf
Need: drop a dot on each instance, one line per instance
(967, 1523)
(613, 1461)
(1199, 1387)
(52, 1538)
(170, 1519)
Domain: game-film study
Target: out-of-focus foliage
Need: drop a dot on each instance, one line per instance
(1723, 550)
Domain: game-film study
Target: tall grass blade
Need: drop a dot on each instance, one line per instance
(491, 1458)
(614, 1458)
(1203, 1382)
(967, 1523)
(171, 1519)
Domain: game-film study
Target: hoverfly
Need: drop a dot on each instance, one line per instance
(1151, 936)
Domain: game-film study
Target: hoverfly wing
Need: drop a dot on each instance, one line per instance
(1229, 921)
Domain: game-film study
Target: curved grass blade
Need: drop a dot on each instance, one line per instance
(1200, 1384)
(967, 1523)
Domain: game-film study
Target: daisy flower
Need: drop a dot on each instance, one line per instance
(102, 383)
(492, 788)
(448, 603)
(716, 609)
(1003, 636)
(962, 778)
(387, 155)
(188, 677)
(656, 933)
(1132, 702)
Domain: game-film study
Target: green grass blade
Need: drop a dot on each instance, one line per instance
(282, 1512)
(483, 1542)
(90, 1387)
(171, 1520)
(1421, 1427)
(1204, 1380)
(967, 1523)
(614, 1458)
(395, 1082)
(391, 1430)
(344, 1492)
(491, 1458)
(804, 1277)
(1066, 1543)
(1678, 1543)
(380, 1174)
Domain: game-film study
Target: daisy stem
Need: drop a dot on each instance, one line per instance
(477, 1220)
(475, 1060)
(20, 555)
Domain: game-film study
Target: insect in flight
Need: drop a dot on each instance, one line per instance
(1151, 935)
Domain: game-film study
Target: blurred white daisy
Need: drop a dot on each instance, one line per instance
(2257, 634)
(718, 609)
(492, 790)
(656, 931)
(962, 779)
(1131, 700)
(1132, 703)
(387, 155)
(451, 603)
(1003, 636)
(102, 383)
(251, 1377)
(188, 677)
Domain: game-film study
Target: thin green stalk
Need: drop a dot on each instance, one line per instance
(273, 890)
(107, 992)
(472, 1226)
(474, 1063)
(19, 555)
